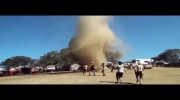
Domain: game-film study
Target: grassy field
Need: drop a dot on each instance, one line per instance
(151, 76)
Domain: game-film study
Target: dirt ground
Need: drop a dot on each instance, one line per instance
(151, 76)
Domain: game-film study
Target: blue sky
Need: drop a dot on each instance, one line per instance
(33, 36)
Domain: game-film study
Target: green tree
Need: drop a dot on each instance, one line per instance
(170, 55)
(64, 57)
(155, 58)
(17, 61)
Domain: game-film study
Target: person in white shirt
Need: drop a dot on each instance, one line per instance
(85, 69)
(120, 71)
(139, 72)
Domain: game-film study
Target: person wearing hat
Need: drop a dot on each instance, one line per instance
(92, 69)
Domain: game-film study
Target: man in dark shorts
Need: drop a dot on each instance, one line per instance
(103, 69)
(135, 71)
(120, 71)
(139, 72)
(92, 69)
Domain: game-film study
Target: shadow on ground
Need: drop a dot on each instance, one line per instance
(63, 72)
(92, 75)
(52, 73)
(45, 73)
(121, 83)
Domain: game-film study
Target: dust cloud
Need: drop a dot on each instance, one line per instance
(94, 38)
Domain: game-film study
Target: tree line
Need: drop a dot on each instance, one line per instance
(64, 57)
(171, 56)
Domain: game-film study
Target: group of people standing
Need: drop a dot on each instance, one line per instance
(138, 69)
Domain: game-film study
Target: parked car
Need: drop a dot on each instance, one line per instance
(149, 66)
(50, 68)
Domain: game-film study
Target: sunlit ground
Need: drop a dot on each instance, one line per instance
(151, 76)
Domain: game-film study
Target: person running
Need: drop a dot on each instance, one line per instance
(103, 69)
(85, 69)
(119, 73)
(139, 72)
(92, 69)
(135, 71)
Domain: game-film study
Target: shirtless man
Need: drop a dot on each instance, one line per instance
(92, 69)
(139, 71)
(103, 69)
(135, 71)
(85, 69)
(120, 72)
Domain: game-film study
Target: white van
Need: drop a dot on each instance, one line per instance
(146, 62)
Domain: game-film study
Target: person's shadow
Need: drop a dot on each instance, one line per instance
(121, 83)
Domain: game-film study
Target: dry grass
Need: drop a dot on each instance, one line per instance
(151, 76)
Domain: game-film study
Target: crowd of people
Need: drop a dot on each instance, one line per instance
(138, 70)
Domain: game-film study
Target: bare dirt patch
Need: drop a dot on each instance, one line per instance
(151, 76)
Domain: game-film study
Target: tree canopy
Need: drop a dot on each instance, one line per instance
(63, 57)
(66, 57)
(170, 56)
(18, 61)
